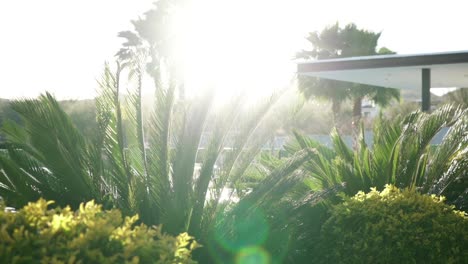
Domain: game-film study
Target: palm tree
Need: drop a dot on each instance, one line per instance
(335, 42)
(402, 154)
(47, 137)
(149, 168)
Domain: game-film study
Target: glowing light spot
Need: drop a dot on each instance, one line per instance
(253, 255)
(249, 231)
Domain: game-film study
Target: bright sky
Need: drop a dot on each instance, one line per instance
(60, 46)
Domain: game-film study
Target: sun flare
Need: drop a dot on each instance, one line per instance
(222, 45)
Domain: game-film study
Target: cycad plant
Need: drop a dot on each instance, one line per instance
(173, 167)
(141, 167)
(402, 154)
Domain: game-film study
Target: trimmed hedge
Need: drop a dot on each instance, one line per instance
(393, 226)
(36, 234)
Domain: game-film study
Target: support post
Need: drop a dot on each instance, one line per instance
(426, 90)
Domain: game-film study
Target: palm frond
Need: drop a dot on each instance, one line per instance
(186, 155)
(160, 140)
(109, 115)
(223, 123)
(273, 186)
(444, 169)
(55, 143)
(340, 146)
(248, 125)
(419, 130)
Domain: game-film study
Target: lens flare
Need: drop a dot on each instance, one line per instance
(253, 255)
(247, 231)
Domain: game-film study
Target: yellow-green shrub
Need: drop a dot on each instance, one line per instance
(393, 226)
(36, 234)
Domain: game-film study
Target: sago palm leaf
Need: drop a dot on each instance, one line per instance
(54, 143)
(160, 138)
(446, 173)
(17, 187)
(223, 123)
(418, 131)
(275, 184)
(109, 114)
(246, 140)
(259, 137)
(186, 155)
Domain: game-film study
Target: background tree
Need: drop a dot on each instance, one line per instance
(335, 42)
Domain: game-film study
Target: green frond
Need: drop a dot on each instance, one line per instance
(418, 131)
(186, 155)
(222, 124)
(160, 136)
(109, 115)
(243, 142)
(279, 181)
(340, 146)
(53, 142)
(442, 171)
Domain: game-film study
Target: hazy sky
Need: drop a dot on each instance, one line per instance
(61, 45)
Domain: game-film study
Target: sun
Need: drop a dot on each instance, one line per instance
(227, 45)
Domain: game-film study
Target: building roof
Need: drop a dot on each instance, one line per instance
(448, 69)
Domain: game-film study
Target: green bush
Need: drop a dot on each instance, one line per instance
(393, 226)
(36, 234)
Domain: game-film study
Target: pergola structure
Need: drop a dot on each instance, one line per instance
(433, 70)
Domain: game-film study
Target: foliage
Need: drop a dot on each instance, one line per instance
(83, 115)
(393, 226)
(252, 177)
(6, 113)
(267, 224)
(149, 45)
(171, 166)
(40, 155)
(458, 97)
(335, 42)
(402, 154)
(312, 116)
(81, 112)
(401, 109)
(49, 157)
(154, 166)
(36, 234)
(36, 153)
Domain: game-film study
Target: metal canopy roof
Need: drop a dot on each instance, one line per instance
(449, 69)
(437, 70)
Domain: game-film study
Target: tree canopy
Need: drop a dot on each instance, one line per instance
(336, 42)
